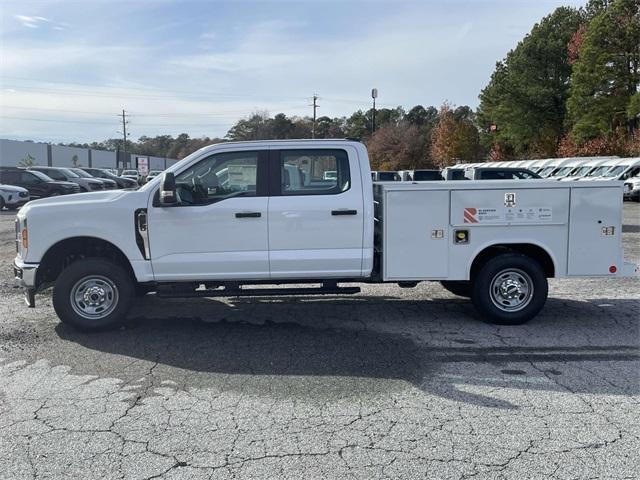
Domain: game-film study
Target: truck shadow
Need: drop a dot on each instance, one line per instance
(435, 345)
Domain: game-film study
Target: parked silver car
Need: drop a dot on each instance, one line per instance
(66, 175)
(132, 175)
(107, 183)
(12, 197)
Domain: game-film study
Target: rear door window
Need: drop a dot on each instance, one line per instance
(314, 172)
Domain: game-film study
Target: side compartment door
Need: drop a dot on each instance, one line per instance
(219, 229)
(316, 216)
(595, 237)
(416, 229)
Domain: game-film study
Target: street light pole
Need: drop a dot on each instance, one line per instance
(315, 107)
(374, 95)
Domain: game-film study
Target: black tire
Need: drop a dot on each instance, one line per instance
(55, 193)
(461, 288)
(107, 276)
(141, 290)
(1, 203)
(504, 276)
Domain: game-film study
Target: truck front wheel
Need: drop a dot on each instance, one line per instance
(93, 294)
(509, 289)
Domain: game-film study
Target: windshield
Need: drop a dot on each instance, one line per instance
(41, 176)
(582, 171)
(81, 173)
(546, 171)
(615, 171)
(130, 172)
(563, 172)
(596, 172)
(102, 173)
(69, 173)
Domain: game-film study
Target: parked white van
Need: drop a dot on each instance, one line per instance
(621, 170)
(586, 168)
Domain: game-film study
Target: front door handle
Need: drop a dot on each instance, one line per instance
(248, 215)
(344, 212)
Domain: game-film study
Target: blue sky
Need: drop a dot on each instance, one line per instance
(68, 67)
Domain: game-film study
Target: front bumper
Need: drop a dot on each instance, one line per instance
(17, 204)
(25, 277)
(632, 195)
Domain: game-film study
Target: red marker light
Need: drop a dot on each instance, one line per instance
(613, 269)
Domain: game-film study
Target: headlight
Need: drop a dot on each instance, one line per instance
(22, 235)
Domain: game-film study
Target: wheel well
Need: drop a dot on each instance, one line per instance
(533, 251)
(70, 250)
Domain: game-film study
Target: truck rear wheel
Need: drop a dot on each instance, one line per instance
(509, 289)
(93, 294)
(461, 288)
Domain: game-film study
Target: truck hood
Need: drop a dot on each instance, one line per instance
(77, 199)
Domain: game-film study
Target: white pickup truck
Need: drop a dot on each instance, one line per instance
(234, 217)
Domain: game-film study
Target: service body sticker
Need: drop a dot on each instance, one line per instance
(481, 215)
(529, 214)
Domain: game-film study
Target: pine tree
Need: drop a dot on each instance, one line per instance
(606, 74)
(527, 93)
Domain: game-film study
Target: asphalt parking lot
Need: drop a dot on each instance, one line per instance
(398, 383)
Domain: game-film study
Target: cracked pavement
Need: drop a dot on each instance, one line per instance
(390, 383)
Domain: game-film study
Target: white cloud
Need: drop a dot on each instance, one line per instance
(36, 21)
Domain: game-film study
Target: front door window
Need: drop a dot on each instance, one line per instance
(219, 177)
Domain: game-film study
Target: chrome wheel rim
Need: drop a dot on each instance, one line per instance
(511, 290)
(94, 297)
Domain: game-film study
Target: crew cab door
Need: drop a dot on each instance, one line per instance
(219, 228)
(315, 214)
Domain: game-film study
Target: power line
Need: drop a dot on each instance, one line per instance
(185, 93)
(8, 117)
(55, 120)
(161, 114)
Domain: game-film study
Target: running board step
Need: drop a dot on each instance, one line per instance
(255, 292)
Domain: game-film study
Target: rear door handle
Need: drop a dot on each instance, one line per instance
(344, 212)
(248, 215)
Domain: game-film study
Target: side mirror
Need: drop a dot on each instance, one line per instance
(168, 196)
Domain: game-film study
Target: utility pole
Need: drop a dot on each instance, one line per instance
(374, 95)
(124, 139)
(315, 106)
